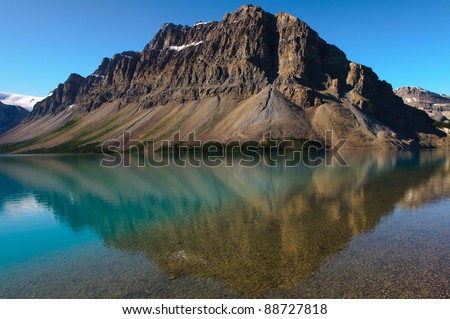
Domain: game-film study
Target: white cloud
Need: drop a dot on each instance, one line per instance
(25, 101)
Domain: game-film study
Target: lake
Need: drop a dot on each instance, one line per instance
(377, 228)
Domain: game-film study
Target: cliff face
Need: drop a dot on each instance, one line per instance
(196, 78)
(111, 76)
(61, 98)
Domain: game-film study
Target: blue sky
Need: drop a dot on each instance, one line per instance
(42, 42)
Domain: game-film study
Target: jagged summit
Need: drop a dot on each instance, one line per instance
(195, 78)
(248, 9)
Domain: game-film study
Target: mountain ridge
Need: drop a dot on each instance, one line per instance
(436, 105)
(11, 116)
(194, 79)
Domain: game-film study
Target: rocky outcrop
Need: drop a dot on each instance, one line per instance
(11, 116)
(436, 105)
(60, 99)
(109, 81)
(209, 70)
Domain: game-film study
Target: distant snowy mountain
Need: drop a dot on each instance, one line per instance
(436, 105)
(25, 101)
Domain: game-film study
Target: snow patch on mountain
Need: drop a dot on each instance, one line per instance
(202, 23)
(181, 47)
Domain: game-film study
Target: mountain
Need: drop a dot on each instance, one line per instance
(11, 116)
(237, 79)
(25, 101)
(436, 105)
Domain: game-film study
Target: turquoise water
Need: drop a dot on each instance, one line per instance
(379, 228)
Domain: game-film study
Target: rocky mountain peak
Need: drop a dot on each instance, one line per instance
(247, 11)
(241, 54)
(416, 96)
(75, 78)
(286, 17)
(436, 105)
(61, 98)
(237, 60)
(125, 54)
(249, 8)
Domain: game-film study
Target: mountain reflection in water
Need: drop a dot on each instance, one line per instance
(256, 229)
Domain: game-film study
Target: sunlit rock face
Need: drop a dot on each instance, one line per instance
(436, 105)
